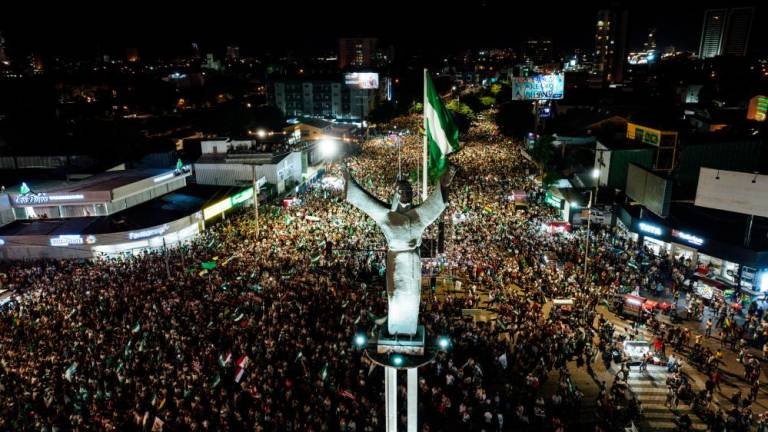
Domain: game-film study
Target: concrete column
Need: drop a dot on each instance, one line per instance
(413, 399)
(390, 397)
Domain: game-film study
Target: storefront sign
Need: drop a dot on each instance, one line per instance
(32, 199)
(690, 238)
(135, 235)
(649, 229)
(242, 196)
(218, 208)
(72, 239)
(43, 198)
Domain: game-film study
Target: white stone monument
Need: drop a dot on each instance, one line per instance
(402, 225)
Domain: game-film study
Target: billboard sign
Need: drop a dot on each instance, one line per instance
(362, 80)
(649, 189)
(643, 134)
(536, 87)
(733, 191)
(758, 106)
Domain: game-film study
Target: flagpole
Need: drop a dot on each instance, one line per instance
(424, 184)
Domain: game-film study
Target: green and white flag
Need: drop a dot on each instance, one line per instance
(442, 133)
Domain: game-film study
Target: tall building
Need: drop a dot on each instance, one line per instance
(322, 96)
(611, 43)
(650, 43)
(737, 31)
(3, 57)
(356, 52)
(725, 31)
(538, 51)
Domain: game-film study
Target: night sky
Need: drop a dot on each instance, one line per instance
(82, 30)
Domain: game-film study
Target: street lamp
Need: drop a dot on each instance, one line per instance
(443, 342)
(261, 133)
(328, 148)
(360, 340)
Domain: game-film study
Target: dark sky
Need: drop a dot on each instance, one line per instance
(434, 25)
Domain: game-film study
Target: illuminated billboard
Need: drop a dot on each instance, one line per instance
(362, 80)
(758, 107)
(550, 86)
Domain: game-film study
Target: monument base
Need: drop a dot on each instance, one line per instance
(402, 344)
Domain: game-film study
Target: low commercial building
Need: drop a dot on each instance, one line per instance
(99, 195)
(227, 162)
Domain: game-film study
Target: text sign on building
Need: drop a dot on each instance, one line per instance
(151, 232)
(549, 86)
(758, 106)
(649, 229)
(690, 238)
(643, 134)
(72, 240)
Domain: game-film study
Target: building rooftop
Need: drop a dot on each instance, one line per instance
(162, 210)
(103, 182)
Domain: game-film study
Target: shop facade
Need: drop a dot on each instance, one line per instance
(717, 264)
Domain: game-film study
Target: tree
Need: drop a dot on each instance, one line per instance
(416, 108)
(462, 115)
(487, 101)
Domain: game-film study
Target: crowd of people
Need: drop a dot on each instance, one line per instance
(261, 340)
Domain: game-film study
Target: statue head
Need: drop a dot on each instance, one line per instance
(403, 197)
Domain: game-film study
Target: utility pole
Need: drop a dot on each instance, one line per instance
(165, 255)
(586, 239)
(255, 201)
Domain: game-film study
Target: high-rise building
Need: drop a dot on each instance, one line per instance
(611, 43)
(737, 31)
(650, 43)
(3, 57)
(356, 52)
(725, 31)
(538, 51)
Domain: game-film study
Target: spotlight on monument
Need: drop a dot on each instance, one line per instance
(360, 340)
(328, 148)
(397, 360)
(443, 342)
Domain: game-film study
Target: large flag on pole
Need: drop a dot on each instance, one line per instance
(442, 135)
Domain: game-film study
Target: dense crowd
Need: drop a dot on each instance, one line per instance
(262, 340)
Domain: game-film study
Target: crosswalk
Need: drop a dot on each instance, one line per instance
(650, 388)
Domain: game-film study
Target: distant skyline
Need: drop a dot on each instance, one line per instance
(81, 31)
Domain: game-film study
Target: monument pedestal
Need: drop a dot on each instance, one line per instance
(402, 344)
(411, 353)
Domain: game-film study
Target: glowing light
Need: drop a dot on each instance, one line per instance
(443, 342)
(595, 173)
(397, 360)
(328, 148)
(360, 340)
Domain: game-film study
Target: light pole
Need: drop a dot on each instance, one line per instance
(586, 237)
(255, 201)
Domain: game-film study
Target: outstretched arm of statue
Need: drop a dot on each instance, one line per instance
(431, 209)
(363, 200)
